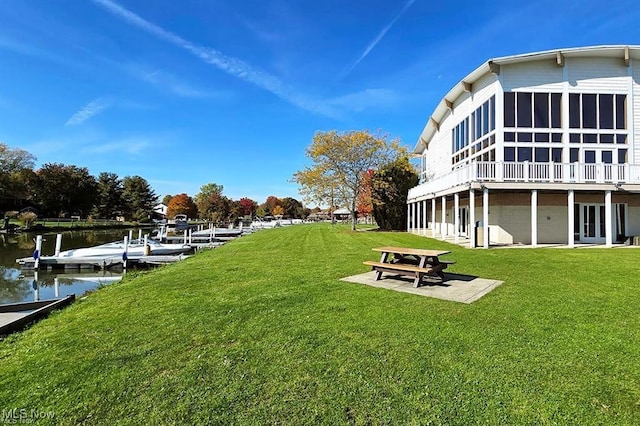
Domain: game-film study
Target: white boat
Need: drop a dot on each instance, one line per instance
(135, 248)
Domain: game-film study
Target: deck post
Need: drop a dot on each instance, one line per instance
(608, 226)
(485, 217)
(456, 217)
(534, 217)
(37, 252)
(425, 221)
(471, 229)
(433, 217)
(443, 231)
(56, 287)
(418, 215)
(409, 217)
(570, 218)
(125, 255)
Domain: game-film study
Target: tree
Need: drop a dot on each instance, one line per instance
(341, 161)
(109, 195)
(292, 208)
(181, 204)
(270, 204)
(62, 189)
(364, 204)
(209, 194)
(278, 211)
(16, 173)
(390, 187)
(248, 207)
(138, 198)
(166, 199)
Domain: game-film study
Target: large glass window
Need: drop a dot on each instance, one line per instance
(589, 111)
(524, 109)
(574, 110)
(556, 110)
(541, 110)
(606, 111)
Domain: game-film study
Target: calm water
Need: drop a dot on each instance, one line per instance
(17, 285)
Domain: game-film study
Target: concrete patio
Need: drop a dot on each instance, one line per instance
(455, 288)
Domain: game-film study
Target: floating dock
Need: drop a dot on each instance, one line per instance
(97, 262)
(16, 316)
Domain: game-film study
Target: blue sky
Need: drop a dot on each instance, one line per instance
(189, 92)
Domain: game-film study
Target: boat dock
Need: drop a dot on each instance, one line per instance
(97, 262)
(16, 316)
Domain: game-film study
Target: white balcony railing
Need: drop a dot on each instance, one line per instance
(491, 171)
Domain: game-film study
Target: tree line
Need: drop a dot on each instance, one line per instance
(60, 190)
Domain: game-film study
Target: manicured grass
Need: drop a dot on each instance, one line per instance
(261, 331)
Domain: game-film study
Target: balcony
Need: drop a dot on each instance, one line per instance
(492, 171)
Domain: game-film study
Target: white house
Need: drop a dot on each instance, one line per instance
(542, 147)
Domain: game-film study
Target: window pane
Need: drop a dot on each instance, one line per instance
(542, 155)
(606, 111)
(622, 156)
(556, 120)
(574, 137)
(524, 109)
(542, 137)
(509, 136)
(509, 109)
(574, 111)
(556, 155)
(492, 113)
(524, 154)
(621, 138)
(606, 138)
(509, 154)
(589, 111)
(556, 137)
(589, 157)
(607, 157)
(573, 155)
(590, 138)
(524, 137)
(485, 118)
(541, 109)
(621, 112)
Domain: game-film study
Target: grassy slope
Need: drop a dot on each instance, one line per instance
(262, 331)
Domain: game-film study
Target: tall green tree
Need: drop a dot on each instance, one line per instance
(389, 189)
(207, 198)
(109, 196)
(340, 163)
(16, 173)
(138, 198)
(62, 190)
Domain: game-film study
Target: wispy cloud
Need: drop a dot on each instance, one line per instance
(365, 99)
(89, 110)
(131, 146)
(170, 83)
(230, 65)
(379, 37)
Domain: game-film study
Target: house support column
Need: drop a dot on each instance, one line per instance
(433, 218)
(472, 218)
(608, 216)
(418, 222)
(424, 216)
(570, 218)
(485, 217)
(534, 217)
(443, 224)
(456, 217)
(409, 217)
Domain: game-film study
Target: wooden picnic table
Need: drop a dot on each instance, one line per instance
(409, 262)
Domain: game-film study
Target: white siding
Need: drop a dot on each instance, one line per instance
(634, 147)
(597, 75)
(532, 76)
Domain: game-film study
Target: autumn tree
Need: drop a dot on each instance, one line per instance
(390, 187)
(248, 207)
(292, 208)
(181, 204)
(364, 205)
(207, 198)
(138, 198)
(16, 172)
(340, 161)
(278, 211)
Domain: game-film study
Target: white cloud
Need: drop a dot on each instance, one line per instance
(86, 112)
(230, 65)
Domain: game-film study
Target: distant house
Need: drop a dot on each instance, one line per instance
(536, 148)
(160, 211)
(342, 214)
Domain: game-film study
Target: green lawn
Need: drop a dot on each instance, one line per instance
(261, 331)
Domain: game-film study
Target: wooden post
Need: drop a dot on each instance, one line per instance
(130, 234)
(36, 289)
(185, 236)
(56, 287)
(139, 234)
(147, 247)
(58, 245)
(190, 236)
(124, 254)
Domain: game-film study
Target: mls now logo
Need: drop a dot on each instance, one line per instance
(22, 415)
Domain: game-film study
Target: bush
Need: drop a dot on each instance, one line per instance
(27, 219)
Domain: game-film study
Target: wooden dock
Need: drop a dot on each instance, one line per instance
(97, 262)
(16, 316)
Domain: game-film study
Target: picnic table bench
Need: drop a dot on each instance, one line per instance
(410, 262)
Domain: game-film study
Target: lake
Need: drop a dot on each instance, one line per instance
(18, 285)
